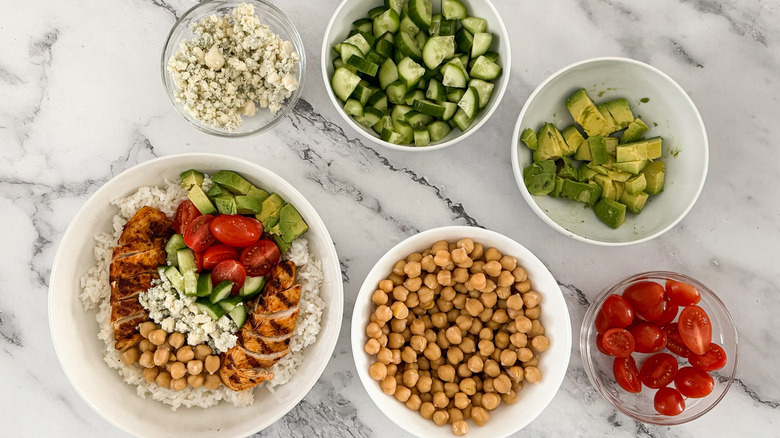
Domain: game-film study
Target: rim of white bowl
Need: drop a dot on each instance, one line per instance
(518, 173)
(357, 330)
(498, 95)
(80, 218)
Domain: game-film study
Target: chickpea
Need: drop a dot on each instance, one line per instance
(395, 340)
(524, 354)
(515, 373)
(436, 386)
(426, 294)
(196, 381)
(379, 297)
(446, 373)
(427, 410)
(146, 327)
(402, 393)
(442, 258)
(150, 374)
(461, 400)
(523, 286)
(464, 371)
(195, 367)
(372, 347)
(146, 359)
(540, 343)
(432, 351)
(532, 374)
(477, 252)
(478, 281)
(408, 355)
(396, 279)
(439, 320)
(400, 293)
(490, 400)
(410, 378)
(418, 343)
(441, 418)
(514, 314)
(463, 322)
(163, 379)
(399, 267)
(508, 358)
(440, 400)
(178, 370)
(424, 383)
(505, 279)
(480, 415)
(385, 355)
(414, 403)
(474, 306)
(130, 356)
(486, 314)
(520, 274)
(176, 340)
(531, 299)
(179, 384)
(510, 397)
(430, 335)
(487, 385)
(161, 356)
(396, 356)
(533, 313)
(486, 347)
(212, 381)
(382, 339)
(444, 278)
(515, 301)
(492, 254)
(536, 328)
(146, 345)
(492, 268)
(491, 368)
(454, 355)
(476, 267)
(392, 369)
(211, 363)
(503, 292)
(455, 414)
(459, 302)
(502, 384)
(488, 299)
(468, 386)
(523, 324)
(385, 286)
(157, 337)
(468, 346)
(388, 385)
(476, 399)
(427, 264)
(501, 339)
(373, 330)
(185, 354)
(383, 313)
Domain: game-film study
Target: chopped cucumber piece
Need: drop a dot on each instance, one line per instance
(388, 73)
(420, 12)
(387, 21)
(210, 309)
(353, 108)
(484, 90)
(175, 243)
(462, 120)
(407, 46)
(417, 120)
(359, 41)
(485, 69)
(252, 287)
(238, 314)
(481, 44)
(436, 90)
(363, 65)
(430, 108)
(174, 276)
(186, 258)
(437, 49)
(221, 291)
(410, 72)
(204, 287)
(453, 9)
(344, 82)
(438, 130)
(469, 103)
(422, 138)
(474, 25)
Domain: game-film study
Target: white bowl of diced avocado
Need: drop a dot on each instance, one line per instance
(610, 151)
(416, 75)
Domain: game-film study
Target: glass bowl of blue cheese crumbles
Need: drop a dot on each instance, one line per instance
(233, 68)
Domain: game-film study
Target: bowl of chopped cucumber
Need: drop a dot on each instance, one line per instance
(416, 75)
(610, 151)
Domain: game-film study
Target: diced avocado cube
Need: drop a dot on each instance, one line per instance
(566, 170)
(655, 174)
(634, 131)
(201, 201)
(283, 246)
(620, 111)
(636, 184)
(258, 194)
(654, 146)
(556, 193)
(588, 193)
(583, 152)
(573, 139)
(634, 203)
(291, 223)
(598, 149)
(631, 152)
(269, 214)
(246, 204)
(226, 204)
(601, 170)
(191, 178)
(610, 212)
(619, 189)
(548, 147)
(539, 177)
(529, 138)
(586, 114)
(611, 144)
(619, 175)
(232, 181)
(633, 167)
(215, 191)
(611, 125)
(608, 189)
(586, 174)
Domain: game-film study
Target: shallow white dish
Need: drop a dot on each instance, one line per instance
(533, 399)
(74, 331)
(669, 113)
(350, 10)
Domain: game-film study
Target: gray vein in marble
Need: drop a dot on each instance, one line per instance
(682, 54)
(579, 295)
(323, 413)
(305, 111)
(8, 333)
(141, 150)
(162, 4)
(716, 8)
(344, 270)
(754, 396)
(10, 78)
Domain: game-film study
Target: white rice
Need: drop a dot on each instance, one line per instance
(96, 293)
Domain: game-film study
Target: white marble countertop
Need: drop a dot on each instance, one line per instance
(82, 100)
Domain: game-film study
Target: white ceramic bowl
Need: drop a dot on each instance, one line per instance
(74, 331)
(669, 113)
(350, 10)
(533, 399)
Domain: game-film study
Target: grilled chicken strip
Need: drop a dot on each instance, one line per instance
(140, 250)
(265, 337)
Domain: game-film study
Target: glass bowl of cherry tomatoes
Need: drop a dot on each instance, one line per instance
(660, 346)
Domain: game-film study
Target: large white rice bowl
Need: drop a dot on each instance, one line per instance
(81, 353)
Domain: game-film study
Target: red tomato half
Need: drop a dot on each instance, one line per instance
(260, 257)
(682, 294)
(185, 213)
(229, 270)
(618, 342)
(198, 261)
(658, 370)
(216, 254)
(197, 235)
(674, 342)
(695, 328)
(616, 312)
(626, 374)
(648, 338)
(646, 297)
(235, 230)
(668, 401)
(713, 359)
(694, 383)
(670, 312)
(600, 344)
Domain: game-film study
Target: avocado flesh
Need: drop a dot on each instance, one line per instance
(539, 177)
(269, 213)
(588, 193)
(246, 204)
(226, 204)
(610, 212)
(634, 203)
(611, 144)
(215, 191)
(573, 139)
(634, 131)
(291, 224)
(586, 114)
(529, 138)
(259, 194)
(648, 149)
(201, 201)
(548, 146)
(655, 174)
(608, 189)
(611, 124)
(636, 184)
(620, 111)
(583, 152)
(566, 170)
(191, 178)
(232, 181)
(598, 149)
(281, 244)
(633, 167)
(556, 193)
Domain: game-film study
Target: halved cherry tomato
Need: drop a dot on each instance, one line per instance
(695, 328)
(648, 338)
(235, 230)
(670, 312)
(658, 370)
(616, 312)
(645, 297)
(653, 313)
(674, 342)
(626, 374)
(668, 401)
(185, 213)
(260, 257)
(600, 344)
(714, 359)
(618, 342)
(229, 270)
(682, 294)
(198, 261)
(694, 383)
(197, 235)
(218, 253)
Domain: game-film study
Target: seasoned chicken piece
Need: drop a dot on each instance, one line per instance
(128, 342)
(274, 324)
(128, 325)
(261, 344)
(124, 308)
(130, 287)
(237, 373)
(138, 263)
(135, 247)
(146, 225)
(281, 277)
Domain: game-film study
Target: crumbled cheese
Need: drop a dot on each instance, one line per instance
(178, 312)
(233, 63)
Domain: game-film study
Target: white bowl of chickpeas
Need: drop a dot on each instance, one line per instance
(461, 330)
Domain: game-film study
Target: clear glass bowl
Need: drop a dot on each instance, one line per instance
(639, 406)
(269, 15)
